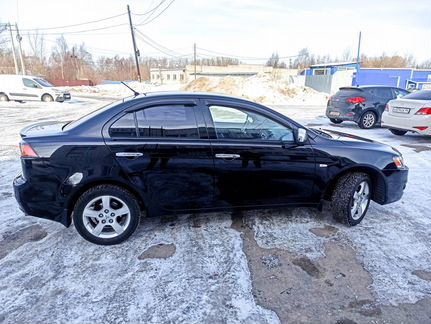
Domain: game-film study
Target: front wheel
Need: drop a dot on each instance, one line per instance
(351, 198)
(335, 121)
(398, 132)
(106, 215)
(3, 97)
(368, 120)
(47, 98)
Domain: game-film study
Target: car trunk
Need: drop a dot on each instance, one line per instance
(406, 107)
(339, 99)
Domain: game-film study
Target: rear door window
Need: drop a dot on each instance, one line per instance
(172, 121)
(125, 127)
(399, 93)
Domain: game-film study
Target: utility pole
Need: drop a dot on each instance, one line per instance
(19, 39)
(13, 50)
(134, 44)
(75, 64)
(194, 55)
(358, 58)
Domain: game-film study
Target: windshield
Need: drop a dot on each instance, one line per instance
(43, 82)
(419, 95)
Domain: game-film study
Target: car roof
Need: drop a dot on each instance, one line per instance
(187, 94)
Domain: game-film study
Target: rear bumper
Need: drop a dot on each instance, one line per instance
(396, 182)
(32, 205)
(345, 113)
(407, 124)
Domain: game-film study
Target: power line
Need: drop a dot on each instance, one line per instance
(74, 25)
(149, 21)
(241, 57)
(84, 31)
(149, 11)
(159, 47)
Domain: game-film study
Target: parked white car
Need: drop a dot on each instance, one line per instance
(27, 87)
(411, 113)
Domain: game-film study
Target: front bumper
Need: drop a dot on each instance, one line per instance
(407, 124)
(396, 182)
(30, 202)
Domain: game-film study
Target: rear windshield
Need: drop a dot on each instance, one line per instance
(419, 95)
(348, 92)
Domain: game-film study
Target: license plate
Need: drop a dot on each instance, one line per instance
(401, 110)
(334, 113)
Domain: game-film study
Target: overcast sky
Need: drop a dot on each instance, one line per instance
(247, 28)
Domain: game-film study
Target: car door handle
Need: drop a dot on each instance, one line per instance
(227, 156)
(128, 154)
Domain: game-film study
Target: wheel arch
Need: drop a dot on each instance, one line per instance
(70, 205)
(46, 94)
(378, 182)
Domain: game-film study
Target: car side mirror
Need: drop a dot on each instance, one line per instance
(301, 136)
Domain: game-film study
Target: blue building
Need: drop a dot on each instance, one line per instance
(406, 78)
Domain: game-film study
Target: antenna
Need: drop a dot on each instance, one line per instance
(136, 93)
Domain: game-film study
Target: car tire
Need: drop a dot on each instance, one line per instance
(3, 97)
(47, 98)
(398, 132)
(106, 215)
(335, 121)
(351, 198)
(368, 120)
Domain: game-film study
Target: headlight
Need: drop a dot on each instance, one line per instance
(398, 160)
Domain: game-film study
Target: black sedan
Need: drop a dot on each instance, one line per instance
(182, 152)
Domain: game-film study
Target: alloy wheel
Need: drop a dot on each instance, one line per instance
(360, 200)
(106, 216)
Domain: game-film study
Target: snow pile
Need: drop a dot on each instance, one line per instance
(120, 90)
(260, 88)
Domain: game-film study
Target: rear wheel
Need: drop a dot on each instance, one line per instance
(398, 132)
(368, 120)
(351, 198)
(106, 215)
(47, 98)
(3, 97)
(335, 121)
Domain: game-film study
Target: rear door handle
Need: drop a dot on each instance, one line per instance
(128, 154)
(227, 156)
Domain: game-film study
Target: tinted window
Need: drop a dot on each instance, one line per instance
(30, 83)
(124, 127)
(167, 121)
(44, 83)
(384, 93)
(419, 95)
(234, 123)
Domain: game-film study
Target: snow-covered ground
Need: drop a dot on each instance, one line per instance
(49, 274)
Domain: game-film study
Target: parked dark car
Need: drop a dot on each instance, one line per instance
(181, 152)
(363, 105)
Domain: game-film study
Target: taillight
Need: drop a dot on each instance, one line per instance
(27, 150)
(424, 111)
(355, 100)
(421, 128)
(387, 107)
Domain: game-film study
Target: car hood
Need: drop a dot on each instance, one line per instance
(59, 90)
(359, 142)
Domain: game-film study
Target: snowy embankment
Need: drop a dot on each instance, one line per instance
(259, 88)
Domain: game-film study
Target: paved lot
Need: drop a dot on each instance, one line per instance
(289, 266)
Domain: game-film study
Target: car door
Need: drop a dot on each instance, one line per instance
(256, 159)
(29, 90)
(381, 96)
(165, 153)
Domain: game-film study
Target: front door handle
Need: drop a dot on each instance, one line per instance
(128, 154)
(227, 156)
